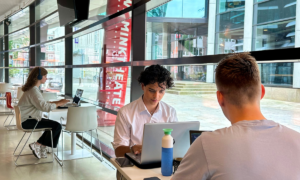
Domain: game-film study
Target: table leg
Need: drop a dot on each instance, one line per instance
(73, 145)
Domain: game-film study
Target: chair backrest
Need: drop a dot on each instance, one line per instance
(19, 93)
(18, 118)
(81, 119)
(5, 87)
(49, 95)
(8, 100)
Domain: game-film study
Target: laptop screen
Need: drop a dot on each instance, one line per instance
(77, 96)
(194, 135)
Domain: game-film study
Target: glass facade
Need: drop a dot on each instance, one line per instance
(180, 35)
(274, 25)
(166, 38)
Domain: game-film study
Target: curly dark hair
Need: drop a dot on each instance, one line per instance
(156, 73)
(32, 78)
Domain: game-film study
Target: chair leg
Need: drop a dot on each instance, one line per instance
(99, 144)
(23, 148)
(91, 141)
(19, 144)
(60, 162)
(9, 125)
(52, 145)
(5, 120)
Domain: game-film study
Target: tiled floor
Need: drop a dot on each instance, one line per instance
(81, 169)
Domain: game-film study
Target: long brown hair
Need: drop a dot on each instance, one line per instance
(32, 78)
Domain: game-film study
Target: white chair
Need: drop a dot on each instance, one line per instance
(80, 120)
(49, 96)
(19, 126)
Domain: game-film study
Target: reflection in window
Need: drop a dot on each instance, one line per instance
(19, 58)
(277, 74)
(275, 35)
(19, 39)
(231, 20)
(110, 87)
(56, 80)
(19, 20)
(188, 73)
(230, 41)
(87, 49)
(50, 29)
(52, 54)
(163, 41)
(181, 9)
(18, 75)
(45, 7)
(274, 10)
(225, 5)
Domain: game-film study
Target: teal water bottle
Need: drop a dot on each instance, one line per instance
(167, 153)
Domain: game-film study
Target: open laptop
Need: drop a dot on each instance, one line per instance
(195, 134)
(152, 139)
(76, 100)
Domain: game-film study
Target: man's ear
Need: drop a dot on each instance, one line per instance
(263, 91)
(143, 87)
(220, 98)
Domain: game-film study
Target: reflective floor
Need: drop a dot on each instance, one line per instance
(89, 168)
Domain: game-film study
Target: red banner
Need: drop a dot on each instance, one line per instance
(117, 46)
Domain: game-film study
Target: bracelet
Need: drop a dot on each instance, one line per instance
(131, 148)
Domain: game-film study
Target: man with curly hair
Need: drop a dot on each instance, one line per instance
(149, 108)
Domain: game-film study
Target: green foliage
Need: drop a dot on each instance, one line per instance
(13, 72)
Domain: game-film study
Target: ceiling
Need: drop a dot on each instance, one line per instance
(7, 5)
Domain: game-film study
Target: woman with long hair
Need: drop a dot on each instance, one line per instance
(32, 105)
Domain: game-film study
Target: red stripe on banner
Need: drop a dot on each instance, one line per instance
(117, 42)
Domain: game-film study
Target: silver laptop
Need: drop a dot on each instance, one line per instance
(152, 139)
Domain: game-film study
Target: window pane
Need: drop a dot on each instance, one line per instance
(19, 39)
(230, 41)
(87, 49)
(97, 11)
(275, 36)
(277, 74)
(51, 54)
(180, 8)
(55, 80)
(275, 10)
(43, 8)
(187, 73)
(225, 5)
(19, 20)
(231, 20)
(50, 28)
(18, 75)
(110, 86)
(166, 38)
(19, 58)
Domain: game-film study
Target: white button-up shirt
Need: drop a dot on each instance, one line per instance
(129, 126)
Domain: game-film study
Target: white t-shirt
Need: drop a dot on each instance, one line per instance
(129, 126)
(248, 150)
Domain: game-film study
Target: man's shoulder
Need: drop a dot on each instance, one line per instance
(129, 107)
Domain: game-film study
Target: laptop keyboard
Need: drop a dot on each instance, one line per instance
(137, 158)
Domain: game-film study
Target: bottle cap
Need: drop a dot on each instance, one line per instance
(167, 131)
